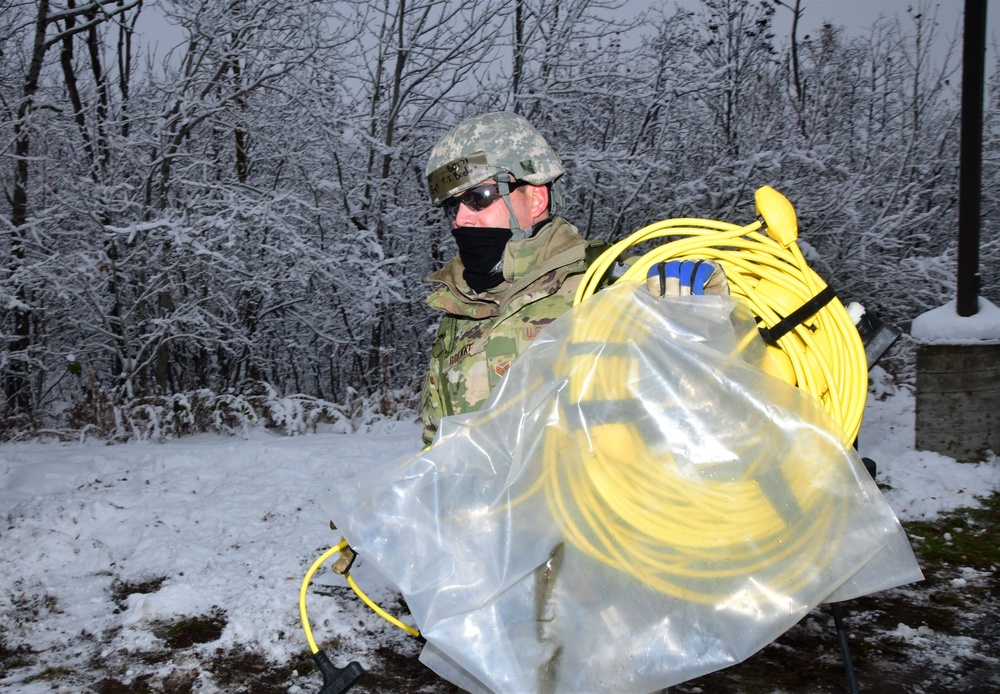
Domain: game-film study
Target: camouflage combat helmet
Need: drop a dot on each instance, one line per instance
(500, 145)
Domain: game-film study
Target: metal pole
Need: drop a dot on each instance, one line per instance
(970, 167)
(845, 648)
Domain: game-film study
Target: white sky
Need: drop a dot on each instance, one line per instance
(858, 15)
(855, 15)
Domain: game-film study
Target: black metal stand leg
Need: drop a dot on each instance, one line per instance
(845, 648)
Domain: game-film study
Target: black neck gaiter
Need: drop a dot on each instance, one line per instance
(481, 250)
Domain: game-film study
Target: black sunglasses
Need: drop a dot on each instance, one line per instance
(476, 199)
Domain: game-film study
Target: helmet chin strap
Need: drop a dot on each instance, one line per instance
(503, 187)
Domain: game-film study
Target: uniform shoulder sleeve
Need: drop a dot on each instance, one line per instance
(433, 397)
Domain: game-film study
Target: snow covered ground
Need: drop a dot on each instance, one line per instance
(101, 544)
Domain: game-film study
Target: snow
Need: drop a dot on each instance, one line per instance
(233, 524)
(918, 485)
(943, 325)
(229, 523)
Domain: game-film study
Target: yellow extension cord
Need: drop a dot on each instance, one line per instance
(646, 518)
(303, 589)
(823, 355)
(629, 508)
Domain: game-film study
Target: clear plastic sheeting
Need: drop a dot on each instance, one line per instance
(637, 504)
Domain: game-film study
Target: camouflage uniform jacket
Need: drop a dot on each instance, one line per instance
(481, 334)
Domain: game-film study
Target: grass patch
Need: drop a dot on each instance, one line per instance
(188, 631)
(51, 674)
(120, 590)
(32, 606)
(241, 670)
(13, 658)
(964, 537)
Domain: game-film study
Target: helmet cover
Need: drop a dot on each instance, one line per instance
(481, 147)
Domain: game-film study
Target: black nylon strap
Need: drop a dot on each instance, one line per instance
(787, 324)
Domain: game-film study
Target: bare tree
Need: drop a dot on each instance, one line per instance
(415, 60)
(251, 215)
(45, 34)
(738, 50)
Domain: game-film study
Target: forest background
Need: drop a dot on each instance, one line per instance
(236, 229)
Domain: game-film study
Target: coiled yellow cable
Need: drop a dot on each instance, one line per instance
(823, 355)
(700, 540)
(697, 539)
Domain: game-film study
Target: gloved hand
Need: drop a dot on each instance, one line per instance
(686, 277)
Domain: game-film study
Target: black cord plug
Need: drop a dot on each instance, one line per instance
(876, 336)
(337, 680)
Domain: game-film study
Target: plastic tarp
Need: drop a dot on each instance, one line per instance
(637, 504)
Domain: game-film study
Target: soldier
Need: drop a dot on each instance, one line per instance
(518, 264)
(517, 267)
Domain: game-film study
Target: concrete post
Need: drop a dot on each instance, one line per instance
(958, 400)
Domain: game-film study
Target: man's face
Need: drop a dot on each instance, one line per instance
(530, 205)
